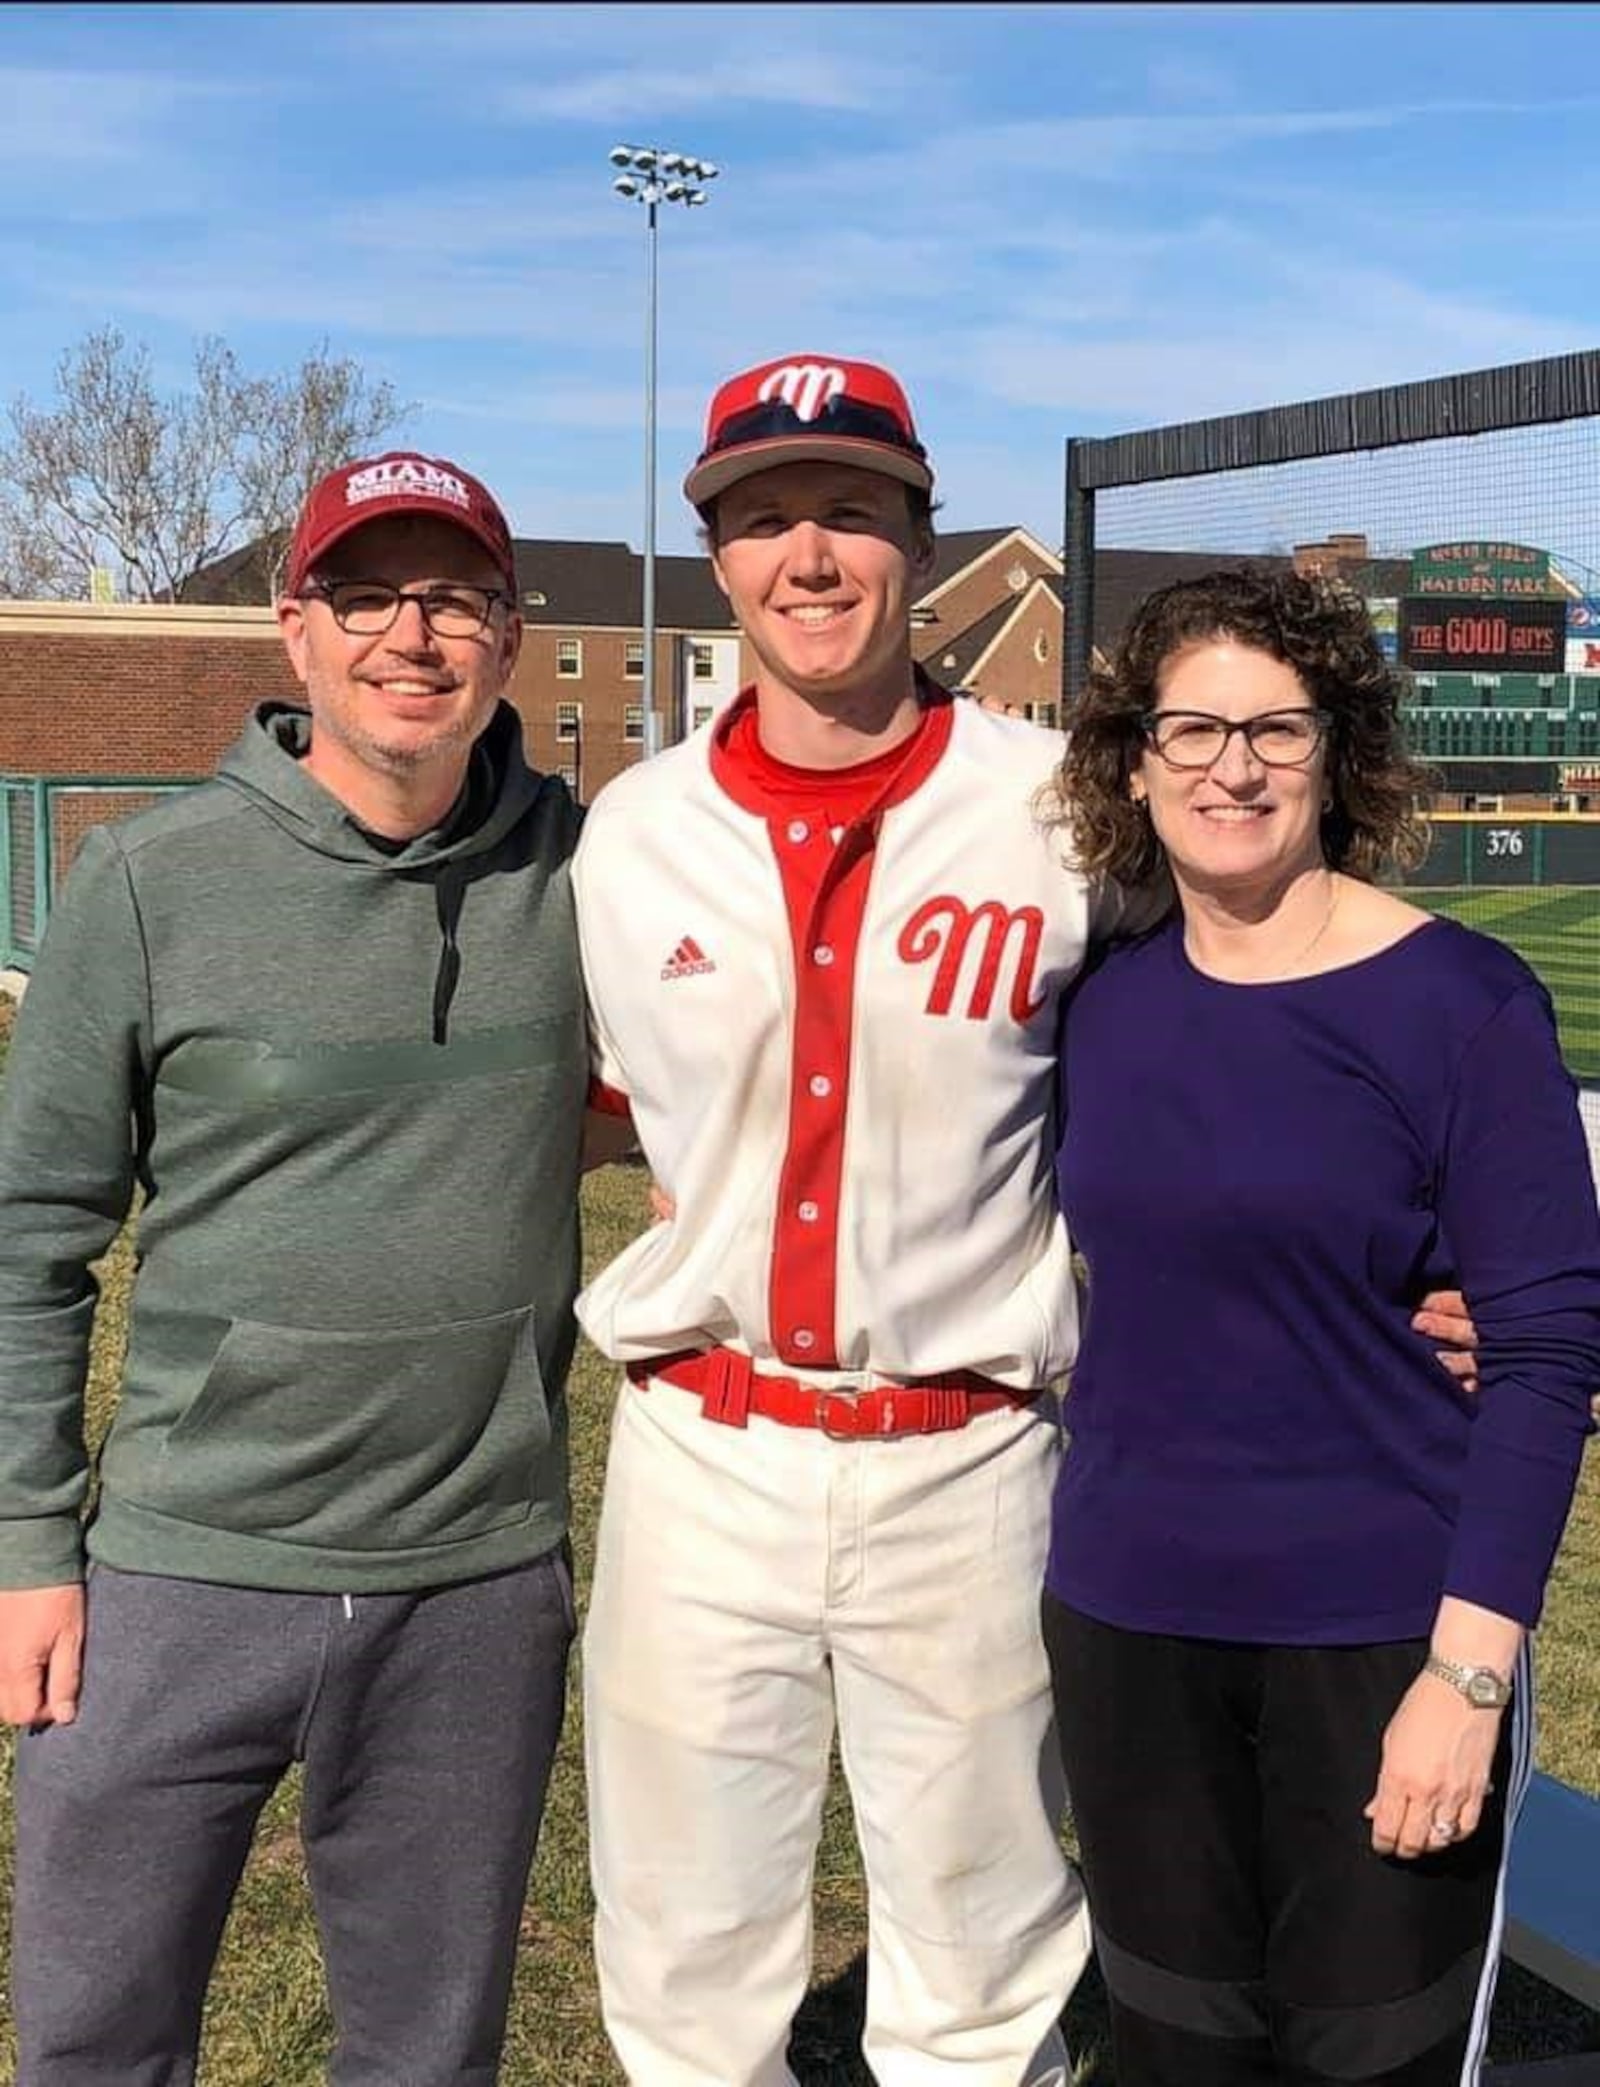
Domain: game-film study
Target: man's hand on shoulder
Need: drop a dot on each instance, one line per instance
(41, 1654)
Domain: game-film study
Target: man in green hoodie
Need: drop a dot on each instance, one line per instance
(333, 1503)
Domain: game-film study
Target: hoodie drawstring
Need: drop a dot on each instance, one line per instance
(448, 894)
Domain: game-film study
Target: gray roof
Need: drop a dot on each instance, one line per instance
(969, 647)
(601, 586)
(961, 548)
(1123, 578)
(238, 581)
(596, 585)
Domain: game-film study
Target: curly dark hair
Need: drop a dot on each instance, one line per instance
(1317, 626)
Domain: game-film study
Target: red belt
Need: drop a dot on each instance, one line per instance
(730, 1390)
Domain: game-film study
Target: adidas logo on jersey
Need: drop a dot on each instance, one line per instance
(688, 960)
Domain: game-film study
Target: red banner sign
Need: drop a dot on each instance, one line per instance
(1485, 637)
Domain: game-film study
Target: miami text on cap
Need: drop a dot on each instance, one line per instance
(397, 483)
(803, 409)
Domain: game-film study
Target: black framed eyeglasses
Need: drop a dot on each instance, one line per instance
(367, 608)
(1197, 739)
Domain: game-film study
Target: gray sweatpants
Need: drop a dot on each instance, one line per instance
(426, 1723)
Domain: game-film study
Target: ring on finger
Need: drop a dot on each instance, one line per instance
(1443, 1829)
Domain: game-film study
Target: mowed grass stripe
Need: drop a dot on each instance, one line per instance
(1556, 932)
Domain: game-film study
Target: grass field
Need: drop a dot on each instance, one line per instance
(1555, 929)
(267, 2025)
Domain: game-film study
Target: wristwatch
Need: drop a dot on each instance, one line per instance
(1483, 1688)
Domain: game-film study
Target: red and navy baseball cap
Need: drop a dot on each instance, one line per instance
(805, 408)
(398, 483)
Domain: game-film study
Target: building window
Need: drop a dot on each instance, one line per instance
(705, 660)
(1017, 578)
(1041, 646)
(1040, 714)
(633, 722)
(569, 775)
(703, 714)
(633, 659)
(569, 658)
(568, 718)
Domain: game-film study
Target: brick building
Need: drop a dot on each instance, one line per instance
(155, 691)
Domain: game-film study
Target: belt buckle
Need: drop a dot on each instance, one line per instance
(826, 1402)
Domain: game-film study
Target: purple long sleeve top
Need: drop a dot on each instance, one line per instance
(1263, 1180)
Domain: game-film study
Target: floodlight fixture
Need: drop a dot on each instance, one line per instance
(653, 176)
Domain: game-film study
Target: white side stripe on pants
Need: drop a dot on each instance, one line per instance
(1523, 1732)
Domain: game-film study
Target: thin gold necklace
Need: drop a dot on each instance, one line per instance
(1292, 968)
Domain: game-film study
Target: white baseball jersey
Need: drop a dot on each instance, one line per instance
(839, 1049)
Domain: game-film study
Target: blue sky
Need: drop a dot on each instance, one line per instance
(1048, 220)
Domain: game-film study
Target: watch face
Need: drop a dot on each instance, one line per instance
(1484, 1689)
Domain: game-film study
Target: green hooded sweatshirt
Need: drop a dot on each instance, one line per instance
(349, 1077)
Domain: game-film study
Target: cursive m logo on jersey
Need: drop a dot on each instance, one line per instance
(942, 927)
(805, 387)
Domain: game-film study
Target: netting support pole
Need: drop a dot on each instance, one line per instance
(1078, 556)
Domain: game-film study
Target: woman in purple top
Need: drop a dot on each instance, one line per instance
(1294, 1563)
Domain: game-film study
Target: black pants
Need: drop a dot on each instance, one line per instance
(1246, 1931)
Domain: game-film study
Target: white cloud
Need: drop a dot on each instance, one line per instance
(1182, 77)
(56, 117)
(784, 78)
(591, 408)
(1201, 368)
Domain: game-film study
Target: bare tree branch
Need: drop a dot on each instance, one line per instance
(115, 478)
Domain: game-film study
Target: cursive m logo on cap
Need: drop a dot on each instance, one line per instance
(805, 387)
(405, 475)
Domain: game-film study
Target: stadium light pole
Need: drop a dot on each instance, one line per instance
(652, 177)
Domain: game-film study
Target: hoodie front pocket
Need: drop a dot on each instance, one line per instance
(362, 1441)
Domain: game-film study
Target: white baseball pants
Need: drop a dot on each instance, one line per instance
(752, 1585)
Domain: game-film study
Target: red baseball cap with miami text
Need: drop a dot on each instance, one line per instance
(397, 483)
(805, 408)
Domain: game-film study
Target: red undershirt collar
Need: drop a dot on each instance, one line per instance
(759, 782)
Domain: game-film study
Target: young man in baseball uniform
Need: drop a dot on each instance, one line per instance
(830, 1477)
(825, 944)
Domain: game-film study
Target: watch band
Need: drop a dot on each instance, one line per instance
(1483, 1687)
